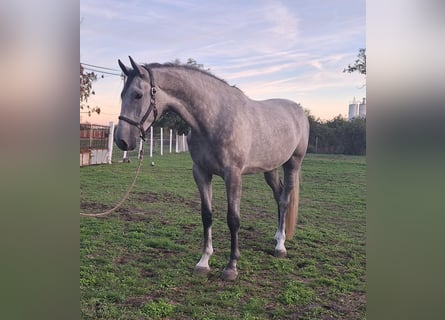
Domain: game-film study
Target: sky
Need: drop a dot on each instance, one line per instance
(294, 49)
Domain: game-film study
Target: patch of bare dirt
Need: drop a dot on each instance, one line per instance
(126, 214)
(168, 197)
(93, 207)
(350, 305)
(138, 301)
(125, 258)
(147, 273)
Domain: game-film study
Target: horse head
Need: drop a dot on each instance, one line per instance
(138, 105)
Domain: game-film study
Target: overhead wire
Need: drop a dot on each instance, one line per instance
(104, 72)
(94, 68)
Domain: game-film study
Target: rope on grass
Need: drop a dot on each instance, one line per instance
(125, 197)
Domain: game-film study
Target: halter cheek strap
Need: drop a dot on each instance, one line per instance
(140, 125)
(151, 108)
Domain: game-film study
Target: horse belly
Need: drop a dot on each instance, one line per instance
(268, 158)
(268, 152)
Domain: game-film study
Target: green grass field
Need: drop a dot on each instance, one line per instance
(138, 263)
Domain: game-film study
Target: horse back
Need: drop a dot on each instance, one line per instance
(256, 136)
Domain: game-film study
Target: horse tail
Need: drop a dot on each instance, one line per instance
(292, 210)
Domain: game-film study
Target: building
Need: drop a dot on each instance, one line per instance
(362, 109)
(357, 109)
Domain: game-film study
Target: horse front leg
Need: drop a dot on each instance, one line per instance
(233, 189)
(204, 182)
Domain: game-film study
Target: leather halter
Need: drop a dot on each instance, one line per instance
(151, 107)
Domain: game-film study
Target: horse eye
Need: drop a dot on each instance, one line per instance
(138, 96)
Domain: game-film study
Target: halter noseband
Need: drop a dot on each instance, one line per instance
(151, 107)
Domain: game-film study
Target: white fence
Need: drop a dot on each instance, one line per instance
(159, 141)
(97, 144)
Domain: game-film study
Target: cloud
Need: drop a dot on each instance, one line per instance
(316, 64)
(301, 83)
(284, 24)
(253, 72)
(267, 48)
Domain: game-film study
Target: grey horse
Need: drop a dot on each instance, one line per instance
(231, 135)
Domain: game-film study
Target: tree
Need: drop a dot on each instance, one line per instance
(337, 135)
(355, 137)
(172, 120)
(315, 132)
(86, 89)
(359, 64)
(191, 62)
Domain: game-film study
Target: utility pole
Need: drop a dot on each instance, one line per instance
(316, 144)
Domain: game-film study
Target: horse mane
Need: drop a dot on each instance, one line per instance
(189, 67)
(185, 67)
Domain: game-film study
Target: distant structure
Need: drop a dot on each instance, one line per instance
(353, 110)
(356, 109)
(362, 109)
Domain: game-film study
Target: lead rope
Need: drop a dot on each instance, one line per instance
(125, 197)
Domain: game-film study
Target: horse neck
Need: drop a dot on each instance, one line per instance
(189, 93)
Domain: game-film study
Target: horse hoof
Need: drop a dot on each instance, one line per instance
(280, 253)
(201, 270)
(229, 274)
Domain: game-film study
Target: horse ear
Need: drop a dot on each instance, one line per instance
(137, 67)
(123, 67)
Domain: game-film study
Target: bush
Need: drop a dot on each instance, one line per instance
(337, 136)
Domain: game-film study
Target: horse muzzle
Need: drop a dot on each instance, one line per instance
(124, 137)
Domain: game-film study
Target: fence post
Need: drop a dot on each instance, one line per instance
(177, 145)
(316, 144)
(151, 141)
(162, 141)
(171, 138)
(91, 135)
(110, 142)
(140, 148)
(183, 142)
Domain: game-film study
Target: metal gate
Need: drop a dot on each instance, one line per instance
(95, 144)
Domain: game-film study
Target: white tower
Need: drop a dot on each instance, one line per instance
(353, 110)
(362, 109)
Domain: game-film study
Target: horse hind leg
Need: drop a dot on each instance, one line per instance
(232, 180)
(273, 180)
(288, 206)
(204, 182)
